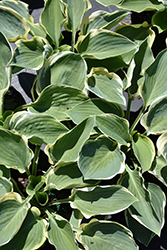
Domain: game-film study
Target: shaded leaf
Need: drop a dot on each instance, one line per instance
(162, 145)
(60, 233)
(56, 100)
(38, 128)
(106, 235)
(31, 234)
(102, 200)
(106, 85)
(103, 44)
(12, 212)
(5, 186)
(101, 159)
(63, 68)
(67, 146)
(114, 126)
(144, 151)
(66, 175)
(95, 106)
(14, 151)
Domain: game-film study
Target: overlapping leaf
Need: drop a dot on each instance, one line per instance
(67, 146)
(106, 235)
(39, 128)
(13, 212)
(5, 186)
(102, 200)
(101, 159)
(14, 151)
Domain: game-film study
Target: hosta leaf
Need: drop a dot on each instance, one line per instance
(12, 24)
(159, 169)
(4, 172)
(29, 53)
(5, 186)
(67, 146)
(60, 233)
(102, 200)
(53, 25)
(101, 159)
(12, 212)
(56, 100)
(14, 151)
(158, 20)
(75, 13)
(106, 235)
(103, 44)
(20, 7)
(141, 233)
(102, 20)
(66, 175)
(137, 5)
(95, 106)
(162, 145)
(31, 234)
(5, 56)
(143, 210)
(106, 85)
(154, 120)
(64, 68)
(39, 128)
(115, 127)
(154, 85)
(144, 151)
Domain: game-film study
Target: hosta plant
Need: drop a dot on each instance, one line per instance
(97, 157)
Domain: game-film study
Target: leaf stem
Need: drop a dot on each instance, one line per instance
(73, 41)
(35, 160)
(22, 107)
(16, 187)
(57, 202)
(128, 108)
(137, 119)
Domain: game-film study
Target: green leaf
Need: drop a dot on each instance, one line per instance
(75, 13)
(67, 146)
(5, 186)
(60, 233)
(14, 151)
(4, 172)
(106, 235)
(102, 20)
(101, 200)
(56, 100)
(103, 44)
(5, 72)
(66, 176)
(143, 210)
(36, 182)
(12, 24)
(12, 212)
(101, 159)
(106, 85)
(154, 120)
(114, 126)
(159, 20)
(95, 106)
(31, 234)
(141, 233)
(154, 85)
(52, 9)
(159, 169)
(162, 145)
(38, 128)
(29, 53)
(144, 151)
(42, 198)
(64, 68)
(137, 5)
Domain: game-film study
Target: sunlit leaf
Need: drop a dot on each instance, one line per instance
(106, 235)
(5, 186)
(12, 212)
(67, 146)
(162, 145)
(101, 159)
(102, 200)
